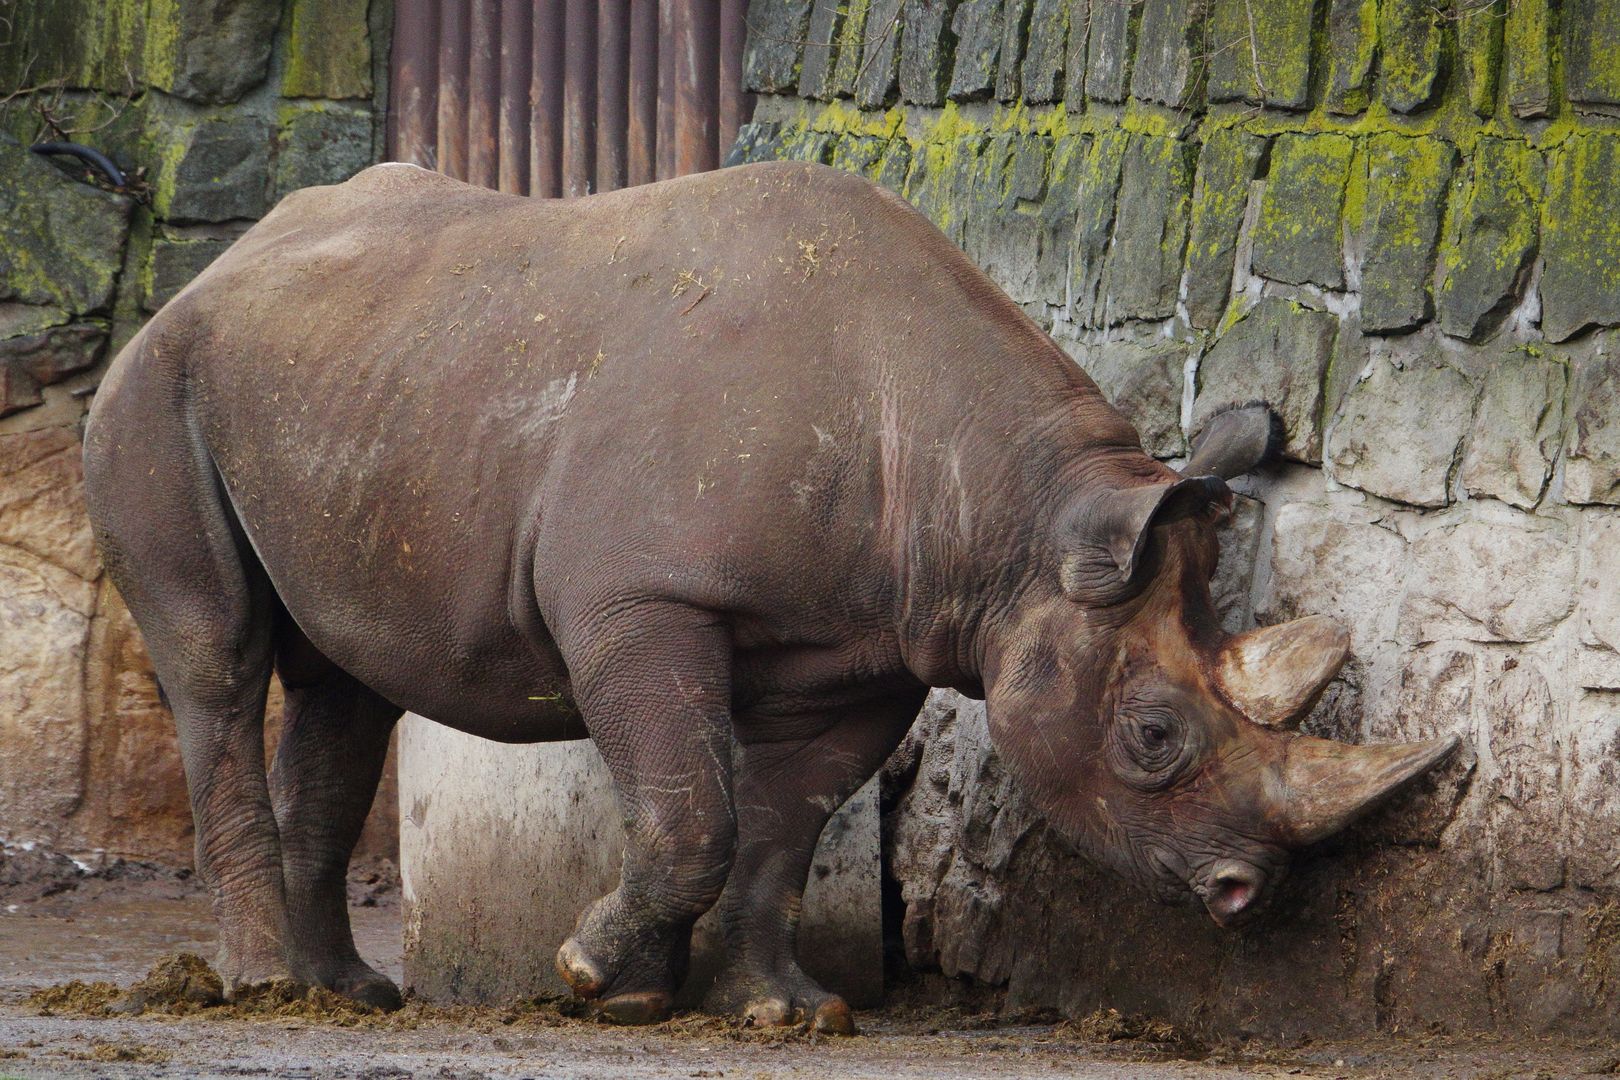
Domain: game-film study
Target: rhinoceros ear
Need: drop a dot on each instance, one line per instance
(1235, 441)
(1107, 532)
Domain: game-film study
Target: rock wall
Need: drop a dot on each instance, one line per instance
(214, 109)
(1397, 221)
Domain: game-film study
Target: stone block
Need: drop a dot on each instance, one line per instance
(1479, 49)
(502, 847)
(977, 25)
(1433, 696)
(1058, 212)
(851, 43)
(1170, 46)
(42, 501)
(209, 164)
(1015, 16)
(1365, 564)
(1409, 64)
(821, 49)
(35, 360)
(1580, 285)
(878, 82)
(1042, 76)
(756, 141)
(1229, 162)
(1527, 46)
(1516, 429)
(1142, 274)
(1352, 48)
(1077, 50)
(1096, 185)
(1299, 238)
(174, 261)
(320, 143)
(1429, 403)
(1143, 380)
(1277, 352)
(209, 51)
(925, 53)
(1592, 447)
(1592, 52)
(1233, 581)
(328, 50)
(61, 242)
(942, 181)
(1407, 180)
(1504, 577)
(1276, 36)
(776, 34)
(1526, 812)
(1108, 51)
(1600, 581)
(1593, 739)
(1003, 226)
(893, 166)
(1491, 239)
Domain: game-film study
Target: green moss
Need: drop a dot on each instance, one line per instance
(1298, 236)
(328, 50)
(161, 48)
(1409, 31)
(1351, 49)
(1479, 47)
(1261, 52)
(1528, 45)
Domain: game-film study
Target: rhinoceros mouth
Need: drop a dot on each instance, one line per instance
(1231, 891)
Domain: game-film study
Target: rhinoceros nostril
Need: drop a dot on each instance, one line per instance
(1233, 889)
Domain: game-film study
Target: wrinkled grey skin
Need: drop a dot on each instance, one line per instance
(754, 453)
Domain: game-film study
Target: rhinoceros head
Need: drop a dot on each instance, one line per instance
(1153, 739)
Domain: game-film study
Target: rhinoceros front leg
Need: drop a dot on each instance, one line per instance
(334, 742)
(788, 784)
(654, 685)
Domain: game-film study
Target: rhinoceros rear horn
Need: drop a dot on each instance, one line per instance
(1108, 531)
(1327, 785)
(1275, 674)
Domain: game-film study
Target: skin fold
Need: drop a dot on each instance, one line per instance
(751, 458)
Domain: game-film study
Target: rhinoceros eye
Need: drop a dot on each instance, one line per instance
(1149, 746)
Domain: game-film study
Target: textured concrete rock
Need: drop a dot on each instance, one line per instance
(1058, 213)
(1409, 65)
(1144, 381)
(1580, 286)
(1526, 810)
(1433, 696)
(820, 55)
(1516, 428)
(925, 42)
(1108, 51)
(1591, 46)
(1095, 186)
(175, 260)
(1368, 569)
(878, 82)
(501, 848)
(1004, 236)
(60, 241)
(1042, 76)
(1170, 45)
(1507, 578)
(1600, 581)
(211, 164)
(1077, 52)
(36, 360)
(852, 35)
(209, 51)
(1592, 449)
(1407, 179)
(977, 25)
(1491, 240)
(771, 53)
(1352, 47)
(1479, 48)
(42, 501)
(1528, 48)
(1233, 582)
(328, 50)
(1594, 787)
(1425, 399)
(1142, 274)
(1278, 352)
(756, 141)
(1228, 164)
(320, 143)
(1261, 53)
(1015, 16)
(1298, 238)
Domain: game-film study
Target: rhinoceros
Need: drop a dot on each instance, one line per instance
(723, 473)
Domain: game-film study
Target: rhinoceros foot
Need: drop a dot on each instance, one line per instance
(626, 967)
(364, 984)
(779, 999)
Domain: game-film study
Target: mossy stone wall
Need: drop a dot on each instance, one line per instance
(1400, 222)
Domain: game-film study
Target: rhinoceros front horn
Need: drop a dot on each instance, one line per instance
(1274, 674)
(1327, 785)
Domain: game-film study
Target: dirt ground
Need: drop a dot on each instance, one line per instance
(59, 923)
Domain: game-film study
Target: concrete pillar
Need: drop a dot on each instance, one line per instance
(502, 847)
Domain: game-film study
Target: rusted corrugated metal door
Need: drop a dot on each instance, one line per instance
(565, 97)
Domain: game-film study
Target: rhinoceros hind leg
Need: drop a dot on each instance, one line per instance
(786, 789)
(333, 745)
(654, 684)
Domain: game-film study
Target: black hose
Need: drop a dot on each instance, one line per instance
(86, 154)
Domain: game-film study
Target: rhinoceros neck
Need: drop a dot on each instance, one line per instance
(1026, 432)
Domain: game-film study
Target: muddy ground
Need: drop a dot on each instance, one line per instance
(60, 922)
